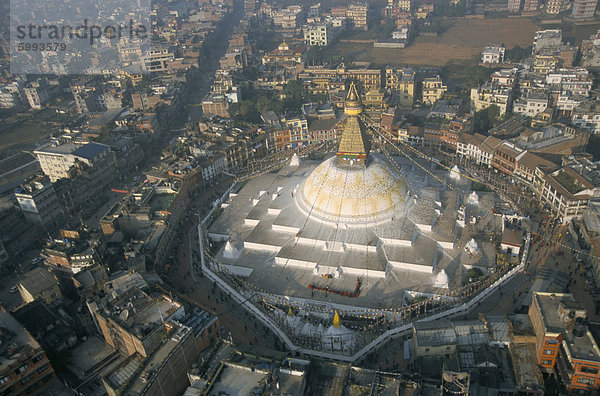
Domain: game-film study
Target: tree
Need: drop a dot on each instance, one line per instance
(487, 118)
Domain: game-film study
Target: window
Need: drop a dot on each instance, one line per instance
(27, 379)
(589, 370)
(3, 380)
(546, 362)
(42, 368)
(548, 352)
(37, 358)
(585, 381)
(21, 369)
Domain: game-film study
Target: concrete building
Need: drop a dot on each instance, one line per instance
(61, 159)
(39, 203)
(36, 93)
(514, 6)
(565, 190)
(358, 14)
(24, 366)
(135, 322)
(488, 94)
(433, 89)
(583, 9)
(288, 18)
(550, 38)
(587, 115)
(216, 104)
(39, 284)
(493, 55)
(402, 83)
(165, 370)
(156, 60)
(320, 34)
(531, 105)
(555, 7)
(564, 343)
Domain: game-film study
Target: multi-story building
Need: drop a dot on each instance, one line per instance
(320, 34)
(10, 94)
(571, 80)
(478, 148)
(433, 89)
(555, 7)
(298, 127)
(157, 60)
(135, 322)
(24, 366)
(216, 104)
(565, 189)
(505, 157)
(288, 18)
(493, 55)
(405, 5)
(531, 105)
(531, 6)
(69, 257)
(39, 284)
(587, 115)
(39, 203)
(366, 79)
(584, 9)
(564, 343)
(402, 83)
(488, 94)
(60, 159)
(550, 38)
(357, 13)
(284, 55)
(36, 93)
(514, 6)
(165, 370)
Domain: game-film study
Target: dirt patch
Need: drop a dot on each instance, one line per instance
(463, 39)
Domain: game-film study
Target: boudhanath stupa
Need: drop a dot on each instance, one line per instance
(352, 233)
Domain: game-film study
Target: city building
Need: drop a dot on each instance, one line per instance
(514, 6)
(564, 343)
(493, 55)
(133, 321)
(357, 13)
(36, 93)
(584, 9)
(488, 94)
(555, 7)
(320, 34)
(39, 284)
(433, 89)
(402, 83)
(288, 18)
(39, 203)
(62, 159)
(550, 38)
(24, 366)
(157, 60)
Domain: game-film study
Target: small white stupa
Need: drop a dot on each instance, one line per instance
(337, 337)
(231, 251)
(472, 247)
(473, 199)
(441, 280)
(454, 173)
(295, 161)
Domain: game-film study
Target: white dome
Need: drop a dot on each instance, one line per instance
(353, 195)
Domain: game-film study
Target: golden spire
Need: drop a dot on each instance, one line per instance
(353, 149)
(336, 320)
(290, 313)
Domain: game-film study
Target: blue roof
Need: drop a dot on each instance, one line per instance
(90, 150)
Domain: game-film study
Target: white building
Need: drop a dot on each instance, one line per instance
(318, 34)
(532, 105)
(58, 160)
(288, 18)
(493, 55)
(587, 115)
(39, 203)
(213, 167)
(36, 93)
(10, 94)
(477, 148)
(572, 80)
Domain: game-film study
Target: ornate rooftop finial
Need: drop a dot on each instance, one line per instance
(354, 145)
